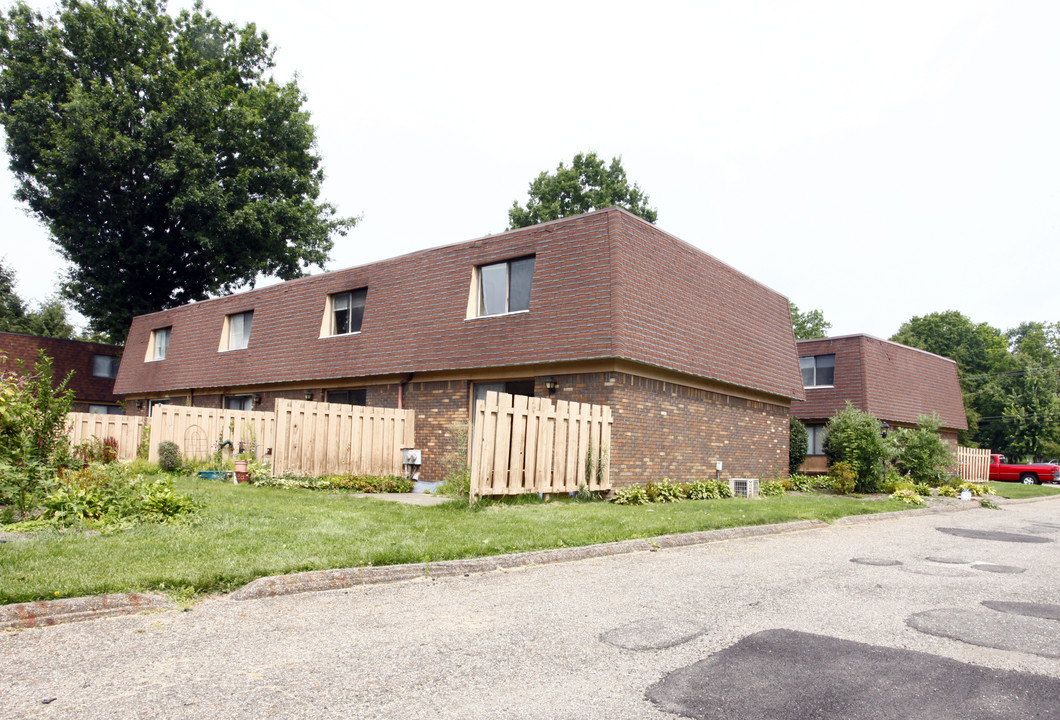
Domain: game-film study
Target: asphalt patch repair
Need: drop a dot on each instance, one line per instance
(789, 675)
(993, 535)
(1025, 632)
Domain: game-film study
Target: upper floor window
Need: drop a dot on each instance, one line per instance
(236, 333)
(505, 287)
(347, 311)
(817, 370)
(105, 366)
(158, 345)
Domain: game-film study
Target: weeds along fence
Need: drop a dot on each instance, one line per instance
(331, 439)
(300, 438)
(127, 430)
(973, 464)
(530, 445)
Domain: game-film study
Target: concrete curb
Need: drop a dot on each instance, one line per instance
(319, 580)
(53, 612)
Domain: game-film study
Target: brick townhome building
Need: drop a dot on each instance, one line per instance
(696, 359)
(894, 383)
(95, 365)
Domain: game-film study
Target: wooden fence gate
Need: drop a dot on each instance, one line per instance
(523, 445)
(332, 439)
(973, 464)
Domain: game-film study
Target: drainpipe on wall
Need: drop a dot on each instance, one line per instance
(401, 391)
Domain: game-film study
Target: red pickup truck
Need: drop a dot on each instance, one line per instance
(1026, 474)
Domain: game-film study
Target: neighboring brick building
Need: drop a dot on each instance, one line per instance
(95, 365)
(697, 360)
(894, 383)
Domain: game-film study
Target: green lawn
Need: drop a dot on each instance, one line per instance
(1018, 490)
(247, 532)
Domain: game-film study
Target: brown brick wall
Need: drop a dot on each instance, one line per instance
(68, 355)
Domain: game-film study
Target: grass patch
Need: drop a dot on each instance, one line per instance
(248, 532)
(1016, 491)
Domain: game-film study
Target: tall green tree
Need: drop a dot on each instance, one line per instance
(164, 159)
(47, 320)
(588, 184)
(808, 325)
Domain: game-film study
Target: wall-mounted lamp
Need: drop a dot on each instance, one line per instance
(551, 385)
(257, 399)
(139, 404)
(308, 394)
(884, 427)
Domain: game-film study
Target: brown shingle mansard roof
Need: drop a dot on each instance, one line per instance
(892, 382)
(606, 284)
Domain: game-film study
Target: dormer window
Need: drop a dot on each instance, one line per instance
(347, 311)
(504, 287)
(158, 345)
(235, 334)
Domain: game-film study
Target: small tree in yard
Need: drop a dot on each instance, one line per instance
(922, 454)
(33, 440)
(857, 437)
(797, 448)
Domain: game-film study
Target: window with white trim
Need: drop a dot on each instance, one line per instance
(105, 410)
(239, 402)
(347, 311)
(238, 330)
(504, 287)
(105, 366)
(817, 370)
(158, 345)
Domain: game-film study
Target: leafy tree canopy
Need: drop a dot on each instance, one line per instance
(808, 325)
(48, 320)
(586, 185)
(1010, 381)
(164, 159)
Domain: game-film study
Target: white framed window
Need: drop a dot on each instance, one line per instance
(817, 370)
(157, 401)
(239, 402)
(105, 366)
(815, 435)
(347, 311)
(235, 335)
(504, 287)
(158, 344)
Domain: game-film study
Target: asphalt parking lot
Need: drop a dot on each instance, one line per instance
(951, 615)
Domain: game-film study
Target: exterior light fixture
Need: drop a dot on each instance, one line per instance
(139, 404)
(551, 385)
(308, 394)
(257, 399)
(884, 427)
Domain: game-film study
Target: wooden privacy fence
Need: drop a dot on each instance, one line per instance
(125, 429)
(201, 432)
(332, 439)
(530, 445)
(973, 464)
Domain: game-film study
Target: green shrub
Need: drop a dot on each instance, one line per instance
(797, 444)
(709, 490)
(772, 488)
(922, 454)
(664, 491)
(947, 491)
(109, 495)
(844, 476)
(855, 437)
(456, 480)
(922, 489)
(808, 483)
(33, 440)
(908, 496)
(168, 456)
(632, 495)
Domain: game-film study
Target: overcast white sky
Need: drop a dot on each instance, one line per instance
(873, 160)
